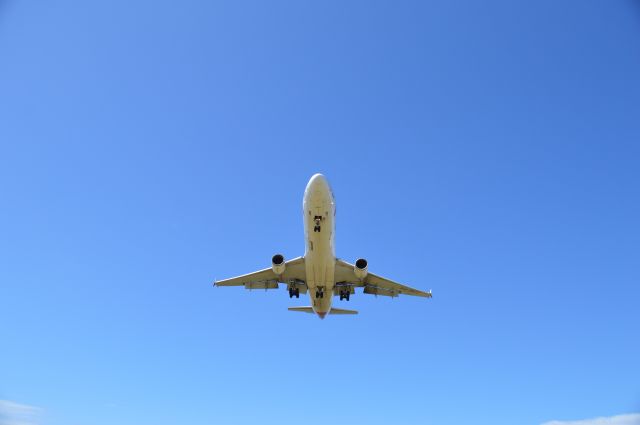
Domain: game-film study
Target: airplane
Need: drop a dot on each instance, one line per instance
(319, 272)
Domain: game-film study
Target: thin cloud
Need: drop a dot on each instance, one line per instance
(630, 419)
(12, 413)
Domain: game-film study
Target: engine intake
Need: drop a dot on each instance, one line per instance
(278, 264)
(360, 269)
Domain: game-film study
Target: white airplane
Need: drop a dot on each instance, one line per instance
(319, 272)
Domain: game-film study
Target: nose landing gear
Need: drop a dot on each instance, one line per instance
(319, 293)
(317, 219)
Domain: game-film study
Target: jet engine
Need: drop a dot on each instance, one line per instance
(277, 264)
(360, 268)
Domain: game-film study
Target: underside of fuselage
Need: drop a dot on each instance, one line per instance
(319, 228)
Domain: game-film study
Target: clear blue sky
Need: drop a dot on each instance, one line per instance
(487, 150)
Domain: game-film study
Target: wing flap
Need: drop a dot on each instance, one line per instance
(266, 284)
(374, 290)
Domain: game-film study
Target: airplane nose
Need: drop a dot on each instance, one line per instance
(318, 182)
(321, 314)
(317, 179)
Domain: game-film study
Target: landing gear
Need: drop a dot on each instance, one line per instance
(294, 292)
(317, 219)
(319, 293)
(344, 295)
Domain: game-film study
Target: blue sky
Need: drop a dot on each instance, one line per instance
(486, 150)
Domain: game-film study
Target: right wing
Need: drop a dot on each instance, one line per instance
(372, 283)
(294, 274)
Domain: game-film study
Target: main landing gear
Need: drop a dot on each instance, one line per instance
(294, 292)
(344, 295)
(317, 219)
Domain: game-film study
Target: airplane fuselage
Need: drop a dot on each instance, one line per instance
(319, 229)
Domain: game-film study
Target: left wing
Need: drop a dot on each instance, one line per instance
(294, 274)
(372, 283)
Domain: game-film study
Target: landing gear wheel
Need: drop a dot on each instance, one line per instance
(291, 292)
(297, 293)
(317, 219)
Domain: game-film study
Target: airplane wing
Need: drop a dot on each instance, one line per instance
(372, 283)
(294, 274)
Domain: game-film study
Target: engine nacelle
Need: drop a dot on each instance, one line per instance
(360, 269)
(277, 264)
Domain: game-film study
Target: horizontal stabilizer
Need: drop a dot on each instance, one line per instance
(332, 311)
(342, 311)
(302, 309)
